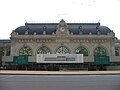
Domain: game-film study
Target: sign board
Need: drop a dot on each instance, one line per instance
(59, 58)
(20, 59)
(101, 60)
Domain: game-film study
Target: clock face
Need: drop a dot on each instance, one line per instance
(62, 29)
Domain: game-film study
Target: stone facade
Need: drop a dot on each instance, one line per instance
(63, 37)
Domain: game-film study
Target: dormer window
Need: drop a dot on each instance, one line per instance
(44, 28)
(44, 32)
(90, 33)
(80, 30)
(98, 32)
(34, 33)
(80, 27)
(97, 28)
(26, 32)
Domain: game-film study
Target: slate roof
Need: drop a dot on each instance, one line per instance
(49, 28)
(117, 41)
(5, 41)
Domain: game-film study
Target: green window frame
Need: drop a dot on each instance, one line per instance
(81, 50)
(100, 51)
(62, 50)
(25, 51)
(43, 50)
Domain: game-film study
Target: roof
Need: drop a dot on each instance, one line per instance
(49, 28)
(5, 41)
(117, 41)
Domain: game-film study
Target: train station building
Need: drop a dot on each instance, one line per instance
(98, 45)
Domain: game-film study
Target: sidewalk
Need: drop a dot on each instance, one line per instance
(16, 72)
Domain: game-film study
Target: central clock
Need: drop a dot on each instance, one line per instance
(62, 29)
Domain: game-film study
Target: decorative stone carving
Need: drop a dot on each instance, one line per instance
(13, 33)
(112, 33)
(62, 29)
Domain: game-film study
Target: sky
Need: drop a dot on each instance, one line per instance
(14, 13)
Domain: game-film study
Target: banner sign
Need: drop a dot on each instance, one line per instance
(101, 60)
(59, 58)
(20, 59)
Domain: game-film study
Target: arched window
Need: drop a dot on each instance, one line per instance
(43, 50)
(25, 51)
(7, 51)
(117, 52)
(62, 50)
(2, 51)
(100, 51)
(81, 50)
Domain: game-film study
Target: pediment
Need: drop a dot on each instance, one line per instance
(62, 28)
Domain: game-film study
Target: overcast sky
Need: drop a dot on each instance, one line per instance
(14, 13)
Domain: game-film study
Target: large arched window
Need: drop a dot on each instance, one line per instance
(81, 50)
(117, 52)
(62, 50)
(43, 50)
(100, 51)
(25, 51)
(2, 51)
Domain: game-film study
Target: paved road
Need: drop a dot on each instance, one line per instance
(59, 82)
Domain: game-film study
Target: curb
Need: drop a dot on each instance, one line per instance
(59, 72)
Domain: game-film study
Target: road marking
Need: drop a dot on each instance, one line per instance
(9, 76)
